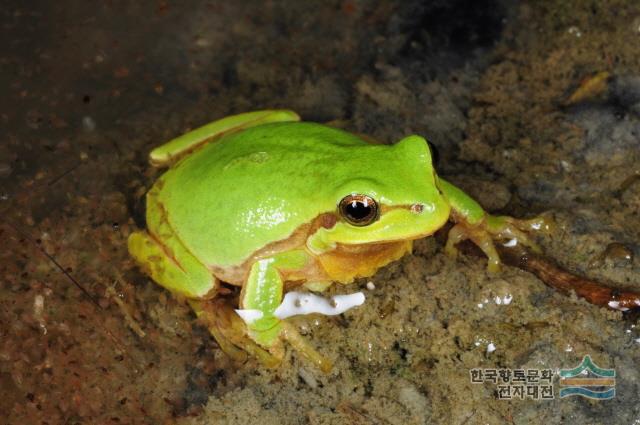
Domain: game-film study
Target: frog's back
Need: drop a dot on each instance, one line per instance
(236, 195)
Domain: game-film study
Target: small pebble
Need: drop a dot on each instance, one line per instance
(615, 254)
(415, 401)
(38, 306)
(371, 286)
(308, 378)
(5, 169)
(618, 254)
(88, 123)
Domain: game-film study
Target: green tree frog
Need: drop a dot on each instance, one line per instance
(265, 202)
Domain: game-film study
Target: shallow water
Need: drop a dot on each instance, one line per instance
(91, 88)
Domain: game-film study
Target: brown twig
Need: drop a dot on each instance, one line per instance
(562, 280)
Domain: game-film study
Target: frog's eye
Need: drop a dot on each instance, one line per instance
(359, 210)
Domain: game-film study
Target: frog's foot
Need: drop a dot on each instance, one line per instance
(271, 340)
(261, 296)
(503, 229)
(231, 334)
(293, 337)
(237, 339)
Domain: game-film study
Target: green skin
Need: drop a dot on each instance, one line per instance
(243, 182)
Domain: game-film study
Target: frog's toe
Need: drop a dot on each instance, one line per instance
(544, 223)
(271, 340)
(298, 342)
(480, 236)
(509, 232)
(457, 234)
(484, 241)
(512, 231)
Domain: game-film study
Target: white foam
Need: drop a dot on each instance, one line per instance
(249, 316)
(295, 303)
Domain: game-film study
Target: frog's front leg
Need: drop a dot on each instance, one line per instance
(262, 294)
(472, 222)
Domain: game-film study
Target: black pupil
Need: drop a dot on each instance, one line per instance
(358, 210)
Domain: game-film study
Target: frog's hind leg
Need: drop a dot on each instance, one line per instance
(179, 272)
(170, 264)
(165, 258)
(230, 332)
(177, 148)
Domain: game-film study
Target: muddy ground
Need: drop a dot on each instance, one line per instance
(89, 88)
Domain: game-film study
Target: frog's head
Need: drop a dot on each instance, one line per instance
(389, 195)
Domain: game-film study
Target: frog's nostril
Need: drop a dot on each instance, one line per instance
(417, 208)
